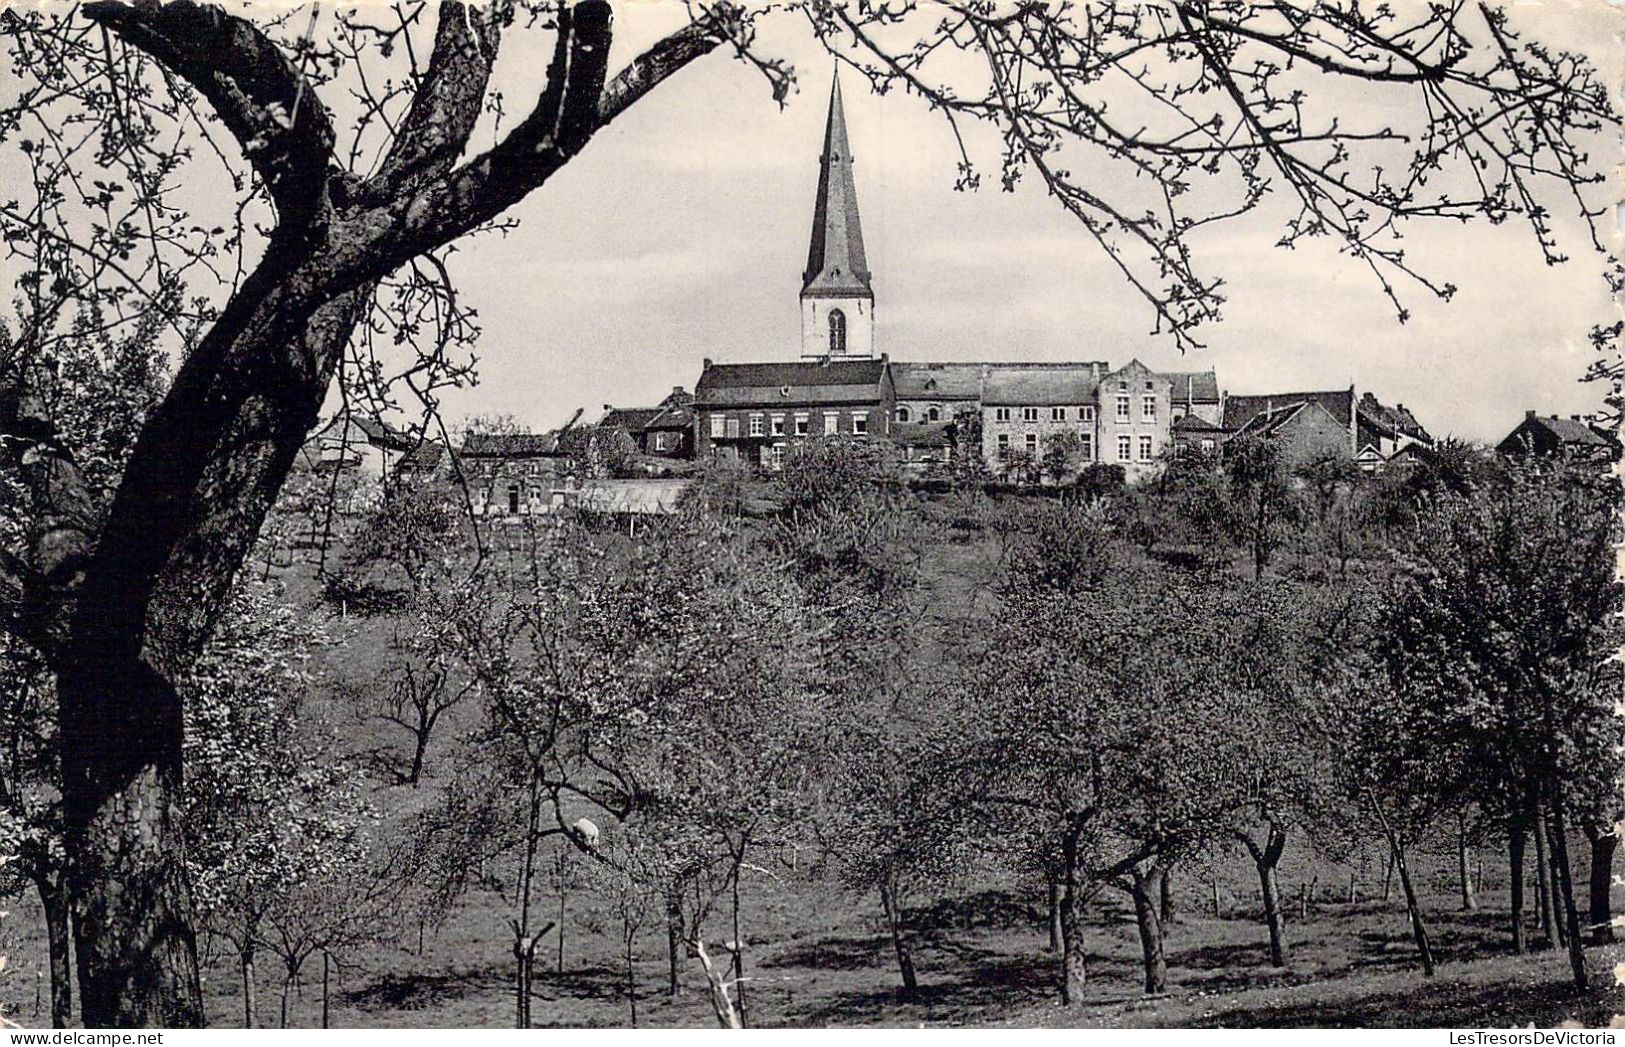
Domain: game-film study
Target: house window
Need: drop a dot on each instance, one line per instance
(1086, 446)
(717, 422)
(660, 441)
(776, 456)
(1057, 414)
(933, 413)
(837, 332)
(513, 499)
(831, 423)
(1145, 448)
(778, 425)
(803, 423)
(756, 425)
(1001, 414)
(1032, 443)
(1124, 448)
(1122, 407)
(1207, 445)
(1086, 413)
(860, 423)
(733, 428)
(1148, 408)
(1029, 414)
(1004, 445)
(902, 413)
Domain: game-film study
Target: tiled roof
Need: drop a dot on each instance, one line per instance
(805, 381)
(677, 416)
(1191, 423)
(1395, 420)
(1568, 430)
(425, 457)
(359, 428)
(1241, 409)
(927, 381)
(1040, 386)
(632, 419)
(1193, 386)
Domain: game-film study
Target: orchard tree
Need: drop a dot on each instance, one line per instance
(117, 108)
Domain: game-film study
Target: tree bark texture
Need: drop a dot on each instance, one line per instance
(1147, 890)
(894, 924)
(1600, 911)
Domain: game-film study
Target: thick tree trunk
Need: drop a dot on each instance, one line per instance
(1600, 912)
(1166, 913)
(1147, 889)
(894, 924)
(202, 476)
(1515, 848)
(1074, 967)
(53, 896)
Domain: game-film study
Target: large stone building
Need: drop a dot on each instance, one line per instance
(755, 412)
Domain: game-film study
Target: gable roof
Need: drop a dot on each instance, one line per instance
(1194, 423)
(1038, 386)
(360, 428)
(803, 381)
(633, 419)
(1193, 386)
(1240, 409)
(674, 416)
(1565, 430)
(1393, 420)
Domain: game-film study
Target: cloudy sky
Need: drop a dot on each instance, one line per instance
(680, 234)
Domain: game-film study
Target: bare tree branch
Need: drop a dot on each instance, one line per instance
(263, 99)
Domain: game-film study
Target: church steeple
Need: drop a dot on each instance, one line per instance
(837, 302)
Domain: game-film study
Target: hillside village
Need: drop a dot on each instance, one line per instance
(1028, 422)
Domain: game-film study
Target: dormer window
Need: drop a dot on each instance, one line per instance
(837, 332)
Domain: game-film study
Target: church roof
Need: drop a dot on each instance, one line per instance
(836, 266)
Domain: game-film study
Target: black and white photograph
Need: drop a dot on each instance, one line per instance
(811, 514)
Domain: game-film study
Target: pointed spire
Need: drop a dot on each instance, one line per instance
(836, 265)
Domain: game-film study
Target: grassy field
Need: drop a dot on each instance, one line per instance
(982, 961)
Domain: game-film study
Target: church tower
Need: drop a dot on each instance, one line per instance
(837, 303)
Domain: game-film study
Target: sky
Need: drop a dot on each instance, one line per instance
(681, 231)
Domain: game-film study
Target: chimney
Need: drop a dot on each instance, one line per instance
(707, 364)
(678, 390)
(1574, 418)
(1529, 413)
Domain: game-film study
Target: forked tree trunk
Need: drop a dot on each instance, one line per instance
(1515, 848)
(1147, 889)
(1266, 859)
(894, 924)
(1600, 911)
(53, 896)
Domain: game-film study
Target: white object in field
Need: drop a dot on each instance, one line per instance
(585, 831)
